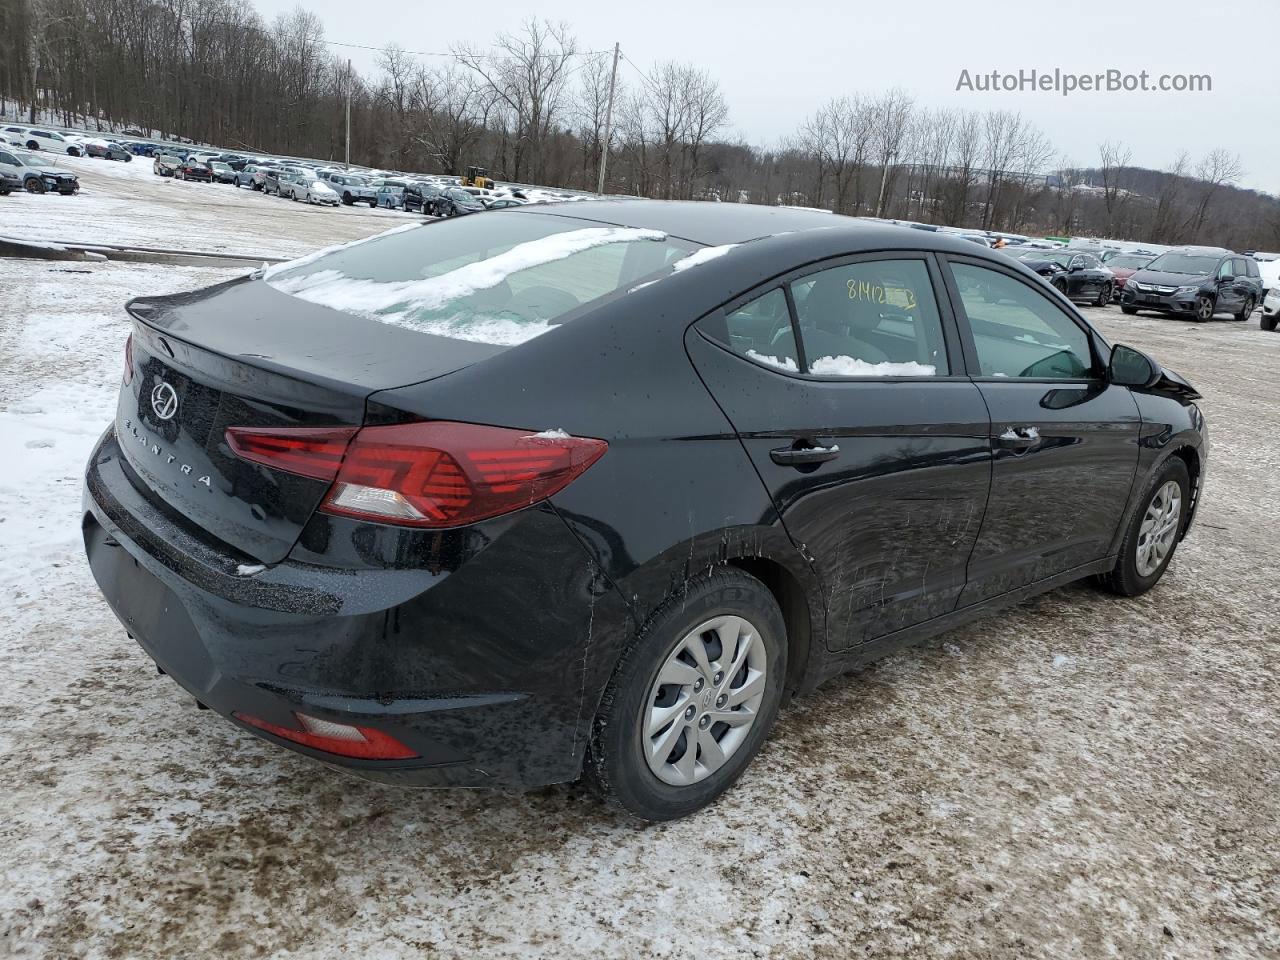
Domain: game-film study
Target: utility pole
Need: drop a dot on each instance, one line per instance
(348, 114)
(608, 120)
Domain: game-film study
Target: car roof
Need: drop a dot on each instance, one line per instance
(717, 224)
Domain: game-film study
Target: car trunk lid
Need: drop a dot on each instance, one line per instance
(310, 366)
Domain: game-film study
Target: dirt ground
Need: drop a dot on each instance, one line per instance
(1078, 777)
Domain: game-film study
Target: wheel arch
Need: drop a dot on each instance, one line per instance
(794, 602)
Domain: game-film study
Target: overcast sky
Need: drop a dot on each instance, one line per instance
(777, 61)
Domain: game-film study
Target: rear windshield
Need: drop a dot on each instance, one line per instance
(497, 280)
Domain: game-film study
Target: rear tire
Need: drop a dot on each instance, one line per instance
(1246, 311)
(637, 758)
(1104, 296)
(1268, 323)
(34, 185)
(1137, 570)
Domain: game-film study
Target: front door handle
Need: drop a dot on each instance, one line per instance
(804, 456)
(1019, 438)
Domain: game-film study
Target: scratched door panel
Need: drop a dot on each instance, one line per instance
(888, 524)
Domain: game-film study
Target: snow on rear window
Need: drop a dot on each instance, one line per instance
(496, 280)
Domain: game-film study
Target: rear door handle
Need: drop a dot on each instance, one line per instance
(804, 456)
(1019, 438)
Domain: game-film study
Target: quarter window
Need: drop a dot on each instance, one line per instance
(761, 330)
(874, 318)
(1018, 331)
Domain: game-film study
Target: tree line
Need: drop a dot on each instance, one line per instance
(532, 106)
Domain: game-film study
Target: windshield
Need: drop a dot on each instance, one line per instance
(456, 194)
(1183, 263)
(503, 282)
(217, 165)
(29, 159)
(1129, 261)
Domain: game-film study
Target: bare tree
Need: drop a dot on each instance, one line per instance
(528, 75)
(1216, 170)
(1113, 157)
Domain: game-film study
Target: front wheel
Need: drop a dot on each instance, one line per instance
(692, 700)
(1204, 308)
(1268, 323)
(1104, 296)
(1128, 310)
(1153, 533)
(1246, 311)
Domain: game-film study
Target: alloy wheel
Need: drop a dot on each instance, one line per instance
(704, 700)
(1104, 296)
(1159, 528)
(1204, 308)
(1246, 310)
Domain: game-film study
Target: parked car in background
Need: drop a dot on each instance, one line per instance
(353, 189)
(40, 138)
(391, 194)
(247, 176)
(1124, 265)
(455, 202)
(501, 203)
(9, 179)
(1077, 276)
(106, 150)
(1270, 315)
(37, 174)
(166, 164)
(1269, 273)
(1196, 282)
(272, 176)
(220, 172)
(193, 168)
(420, 196)
(312, 190)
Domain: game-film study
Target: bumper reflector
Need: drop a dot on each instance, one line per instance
(342, 739)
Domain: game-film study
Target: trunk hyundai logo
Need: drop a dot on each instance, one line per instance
(164, 400)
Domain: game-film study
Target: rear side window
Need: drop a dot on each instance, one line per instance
(1018, 331)
(874, 318)
(1252, 267)
(497, 280)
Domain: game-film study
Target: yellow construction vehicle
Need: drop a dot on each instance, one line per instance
(477, 177)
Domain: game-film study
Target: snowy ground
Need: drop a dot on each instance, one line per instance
(127, 203)
(1079, 777)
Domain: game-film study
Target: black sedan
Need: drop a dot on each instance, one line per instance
(595, 488)
(1076, 275)
(194, 169)
(454, 202)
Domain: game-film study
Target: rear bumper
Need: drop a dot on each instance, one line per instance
(471, 655)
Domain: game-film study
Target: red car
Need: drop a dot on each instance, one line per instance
(1124, 266)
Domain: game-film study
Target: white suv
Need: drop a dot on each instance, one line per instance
(38, 138)
(1270, 310)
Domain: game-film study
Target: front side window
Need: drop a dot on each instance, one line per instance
(1226, 271)
(875, 318)
(1017, 330)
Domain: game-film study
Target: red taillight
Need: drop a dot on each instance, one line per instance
(128, 360)
(308, 451)
(339, 738)
(442, 474)
(424, 474)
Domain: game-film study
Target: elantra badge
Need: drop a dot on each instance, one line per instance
(164, 401)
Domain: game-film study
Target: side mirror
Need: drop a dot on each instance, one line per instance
(1132, 368)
